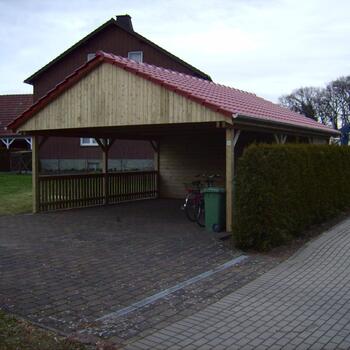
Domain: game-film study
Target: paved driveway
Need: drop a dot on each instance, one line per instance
(67, 269)
(304, 303)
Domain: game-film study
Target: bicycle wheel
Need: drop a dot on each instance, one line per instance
(191, 209)
(201, 215)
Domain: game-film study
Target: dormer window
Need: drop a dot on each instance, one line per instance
(136, 56)
(90, 56)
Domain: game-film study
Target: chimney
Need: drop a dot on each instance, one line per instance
(125, 22)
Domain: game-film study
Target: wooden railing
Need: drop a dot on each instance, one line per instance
(132, 185)
(83, 190)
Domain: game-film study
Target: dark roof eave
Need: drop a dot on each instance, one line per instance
(292, 127)
(112, 21)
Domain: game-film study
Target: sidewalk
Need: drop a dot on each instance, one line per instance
(304, 303)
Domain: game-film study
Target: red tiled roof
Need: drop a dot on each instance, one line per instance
(228, 101)
(11, 106)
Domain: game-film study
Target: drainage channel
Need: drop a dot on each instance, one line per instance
(164, 293)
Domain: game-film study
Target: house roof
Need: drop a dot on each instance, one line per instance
(233, 103)
(113, 22)
(11, 106)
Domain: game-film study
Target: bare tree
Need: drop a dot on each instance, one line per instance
(341, 92)
(329, 105)
(301, 101)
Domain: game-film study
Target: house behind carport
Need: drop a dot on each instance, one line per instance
(194, 125)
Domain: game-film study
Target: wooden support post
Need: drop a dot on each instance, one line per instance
(105, 150)
(35, 174)
(157, 168)
(29, 141)
(156, 161)
(280, 138)
(229, 178)
(7, 141)
(155, 146)
(235, 139)
(105, 145)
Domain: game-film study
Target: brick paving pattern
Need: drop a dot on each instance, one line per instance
(303, 303)
(181, 304)
(66, 269)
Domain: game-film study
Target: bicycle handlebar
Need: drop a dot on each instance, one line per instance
(209, 179)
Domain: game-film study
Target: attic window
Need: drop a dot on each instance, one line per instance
(136, 56)
(90, 56)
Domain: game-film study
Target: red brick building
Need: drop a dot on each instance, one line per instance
(116, 36)
(10, 107)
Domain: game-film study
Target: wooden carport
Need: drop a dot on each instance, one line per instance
(114, 98)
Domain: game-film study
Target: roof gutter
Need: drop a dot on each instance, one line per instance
(250, 119)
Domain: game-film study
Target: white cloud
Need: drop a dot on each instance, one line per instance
(267, 47)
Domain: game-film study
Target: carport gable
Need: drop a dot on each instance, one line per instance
(115, 92)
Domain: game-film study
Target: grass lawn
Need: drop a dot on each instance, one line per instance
(20, 335)
(15, 193)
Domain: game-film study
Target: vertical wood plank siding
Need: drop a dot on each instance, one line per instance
(111, 96)
(83, 190)
(183, 157)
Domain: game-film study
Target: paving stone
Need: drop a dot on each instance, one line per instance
(79, 265)
(298, 302)
(66, 269)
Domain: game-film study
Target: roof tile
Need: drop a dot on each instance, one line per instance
(225, 100)
(11, 106)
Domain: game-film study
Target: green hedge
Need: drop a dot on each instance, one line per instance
(280, 190)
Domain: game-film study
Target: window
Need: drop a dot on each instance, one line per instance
(136, 56)
(90, 56)
(88, 141)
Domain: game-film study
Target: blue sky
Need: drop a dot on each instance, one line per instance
(267, 47)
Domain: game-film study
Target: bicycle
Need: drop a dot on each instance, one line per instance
(194, 202)
(193, 199)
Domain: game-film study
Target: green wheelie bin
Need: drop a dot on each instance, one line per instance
(215, 208)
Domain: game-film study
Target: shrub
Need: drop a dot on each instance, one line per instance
(280, 190)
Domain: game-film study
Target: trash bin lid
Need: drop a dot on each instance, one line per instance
(213, 190)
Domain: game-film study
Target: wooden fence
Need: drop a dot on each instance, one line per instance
(83, 190)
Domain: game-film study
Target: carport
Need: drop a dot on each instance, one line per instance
(194, 126)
